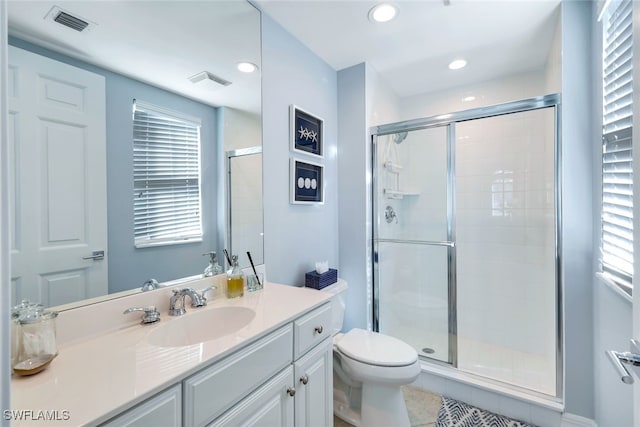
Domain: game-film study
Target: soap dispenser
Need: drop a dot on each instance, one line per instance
(235, 279)
(213, 268)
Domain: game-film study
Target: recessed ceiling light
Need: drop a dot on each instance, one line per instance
(247, 67)
(469, 98)
(457, 64)
(383, 12)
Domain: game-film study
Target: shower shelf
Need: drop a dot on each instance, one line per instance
(392, 167)
(396, 194)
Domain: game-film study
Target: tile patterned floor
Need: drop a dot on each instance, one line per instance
(422, 406)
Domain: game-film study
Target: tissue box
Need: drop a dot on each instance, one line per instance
(319, 281)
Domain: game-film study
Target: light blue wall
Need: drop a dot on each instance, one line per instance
(296, 236)
(129, 267)
(354, 165)
(577, 205)
(364, 100)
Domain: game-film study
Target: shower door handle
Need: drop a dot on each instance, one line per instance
(621, 360)
(624, 374)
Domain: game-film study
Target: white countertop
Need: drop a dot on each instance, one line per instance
(98, 377)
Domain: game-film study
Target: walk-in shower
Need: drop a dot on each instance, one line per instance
(466, 210)
(244, 204)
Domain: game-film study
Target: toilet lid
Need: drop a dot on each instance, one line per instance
(376, 349)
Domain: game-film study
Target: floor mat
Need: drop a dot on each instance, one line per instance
(459, 414)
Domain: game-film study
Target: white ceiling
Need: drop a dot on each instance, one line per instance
(159, 42)
(412, 52)
(165, 42)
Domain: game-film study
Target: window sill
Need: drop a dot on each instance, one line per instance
(616, 288)
(141, 245)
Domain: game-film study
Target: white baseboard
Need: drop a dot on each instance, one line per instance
(572, 420)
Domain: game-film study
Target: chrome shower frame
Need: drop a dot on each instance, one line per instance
(229, 155)
(450, 120)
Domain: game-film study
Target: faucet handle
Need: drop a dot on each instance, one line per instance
(150, 285)
(198, 298)
(151, 314)
(203, 294)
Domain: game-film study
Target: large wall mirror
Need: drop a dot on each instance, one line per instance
(113, 105)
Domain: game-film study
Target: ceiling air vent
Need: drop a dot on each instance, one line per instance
(71, 21)
(210, 80)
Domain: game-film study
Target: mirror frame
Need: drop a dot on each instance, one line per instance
(5, 252)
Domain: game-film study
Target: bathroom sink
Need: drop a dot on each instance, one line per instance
(206, 325)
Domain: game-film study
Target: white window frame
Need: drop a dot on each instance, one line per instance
(617, 161)
(172, 143)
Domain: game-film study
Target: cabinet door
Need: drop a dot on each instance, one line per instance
(212, 391)
(163, 409)
(313, 375)
(270, 406)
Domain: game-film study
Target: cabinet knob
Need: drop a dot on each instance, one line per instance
(291, 391)
(304, 379)
(318, 329)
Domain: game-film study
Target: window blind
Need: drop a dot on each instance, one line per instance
(617, 170)
(166, 175)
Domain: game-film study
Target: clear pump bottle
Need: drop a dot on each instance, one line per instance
(235, 279)
(213, 268)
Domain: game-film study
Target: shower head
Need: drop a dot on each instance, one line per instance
(399, 137)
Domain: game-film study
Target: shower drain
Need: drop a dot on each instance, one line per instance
(427, 350)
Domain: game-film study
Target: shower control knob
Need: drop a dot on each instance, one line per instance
(304, 379)
(291, 391)
(318, 329)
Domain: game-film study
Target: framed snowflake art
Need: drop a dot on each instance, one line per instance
(306, 132)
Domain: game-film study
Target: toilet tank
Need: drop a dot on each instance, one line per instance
(338, 293)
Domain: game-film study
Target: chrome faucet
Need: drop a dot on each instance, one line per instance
(176, 302)
(150, 314)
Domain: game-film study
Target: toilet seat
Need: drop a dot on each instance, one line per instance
(389, 375)
(375, 349)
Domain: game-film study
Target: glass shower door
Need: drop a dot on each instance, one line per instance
(413, 257)
(507, 322)
(466, 241)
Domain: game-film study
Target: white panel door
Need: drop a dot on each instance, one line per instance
(57, 141)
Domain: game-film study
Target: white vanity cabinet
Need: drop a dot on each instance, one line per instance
(283, 379)
(299, 395)
(212, 391)
(163, 409)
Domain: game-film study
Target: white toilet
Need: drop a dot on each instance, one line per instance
(368, 370)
